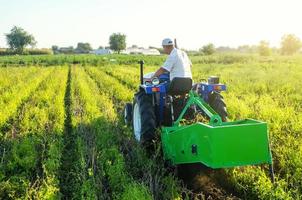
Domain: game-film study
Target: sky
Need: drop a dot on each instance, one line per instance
(145, 23)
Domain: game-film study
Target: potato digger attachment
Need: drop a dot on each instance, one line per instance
(217, 143)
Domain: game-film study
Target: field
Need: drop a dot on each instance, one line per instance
(62, 134)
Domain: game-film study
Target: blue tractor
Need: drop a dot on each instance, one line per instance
(159, 102)
(216, 143)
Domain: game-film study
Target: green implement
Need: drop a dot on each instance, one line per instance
(217, 144)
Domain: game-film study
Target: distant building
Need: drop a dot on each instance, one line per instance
(143, 51)
(151, 52)
(101, 51)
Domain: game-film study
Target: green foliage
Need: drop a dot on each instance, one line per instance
(69, 142)
(290, 44)
(7, 52)
(247, 49)
(55, 48)
(208, 49)
(115, 59)
(38, 52)
(13, 188)
(94, 60)
(83, 47)
(264, 49)
(18, 39)
(16, 88)
(33, 151)
(117, 42)
(23, 157)
(135, 192)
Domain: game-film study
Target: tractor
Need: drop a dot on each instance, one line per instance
(164, 105)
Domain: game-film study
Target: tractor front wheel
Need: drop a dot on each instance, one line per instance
(217, 103)
(144, 119)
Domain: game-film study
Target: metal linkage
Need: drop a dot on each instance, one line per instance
(194, 99)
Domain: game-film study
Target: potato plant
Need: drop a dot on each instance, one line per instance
(32, 145)
(63, 136)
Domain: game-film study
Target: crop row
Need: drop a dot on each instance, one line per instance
(115, 59)
(143, 168)
(19, 89)
(96, 169)
(95, 60)
(31, 154)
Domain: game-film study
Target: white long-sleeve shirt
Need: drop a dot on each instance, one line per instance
(178, 64)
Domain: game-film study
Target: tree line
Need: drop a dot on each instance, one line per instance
(18, 39)
(290, 44)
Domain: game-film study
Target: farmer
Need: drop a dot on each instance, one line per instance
(177, 64)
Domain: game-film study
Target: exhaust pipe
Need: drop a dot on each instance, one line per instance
(141, 62)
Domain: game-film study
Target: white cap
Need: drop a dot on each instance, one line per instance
(167, 42)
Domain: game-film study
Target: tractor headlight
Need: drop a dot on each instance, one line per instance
(155, 81)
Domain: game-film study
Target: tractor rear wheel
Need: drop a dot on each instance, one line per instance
(217, 103)
(144, 119)
(128, 114)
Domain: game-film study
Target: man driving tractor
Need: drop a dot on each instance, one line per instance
(177, 64)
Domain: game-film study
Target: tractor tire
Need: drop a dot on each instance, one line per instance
(143, 118)
(217, 103)
(128, 114)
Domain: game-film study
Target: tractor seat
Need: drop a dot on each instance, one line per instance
(180, 86)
